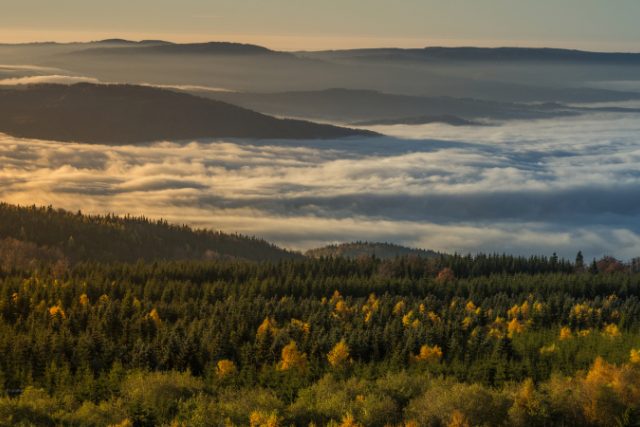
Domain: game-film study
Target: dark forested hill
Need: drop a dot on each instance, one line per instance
(112, 114)
(367, 249)
(44, 233)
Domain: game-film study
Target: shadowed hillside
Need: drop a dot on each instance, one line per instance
(112, 114)
(54, 234)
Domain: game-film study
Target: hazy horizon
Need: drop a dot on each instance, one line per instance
(320, 43)
(290, 25)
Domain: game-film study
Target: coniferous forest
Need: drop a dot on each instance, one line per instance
(162, 334)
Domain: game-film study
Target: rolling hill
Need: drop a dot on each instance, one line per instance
(37, 233)
(116, 114)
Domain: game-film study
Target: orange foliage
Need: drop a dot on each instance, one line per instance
(429, 354)
(56, 311)
(349, 421)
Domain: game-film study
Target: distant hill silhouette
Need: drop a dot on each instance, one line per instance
(77, 237)
(353, 105)
(368, 249)
(486, 54)
(420, 120)
(113, 114)
(160, 47)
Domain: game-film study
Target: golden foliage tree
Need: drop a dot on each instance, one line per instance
(458, 420)
(153, 315)
(349, 421)
(565, 333)
(225, 368)
(264, 419)
(429, 354)
(339, 356)
(84, 299)
(268, 326)
(292, 358)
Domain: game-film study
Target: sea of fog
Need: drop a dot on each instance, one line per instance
(523, 187)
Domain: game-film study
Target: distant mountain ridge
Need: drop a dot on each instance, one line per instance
(115, 114)
(161, 47)
(368, 249)
(372, 107)
(484, 54)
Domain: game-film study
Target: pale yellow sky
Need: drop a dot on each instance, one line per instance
(306, 24)
(302, 42)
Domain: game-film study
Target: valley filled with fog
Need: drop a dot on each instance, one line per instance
(522, 151)
(523, 187)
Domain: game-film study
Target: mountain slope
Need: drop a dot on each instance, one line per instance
(112, 114)
(79, 237)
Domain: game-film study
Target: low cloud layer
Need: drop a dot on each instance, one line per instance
(53, 79)
(525, 187)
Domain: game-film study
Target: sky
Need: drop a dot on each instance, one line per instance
(332, 24)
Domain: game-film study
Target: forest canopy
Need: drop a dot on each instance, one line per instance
(404, 341)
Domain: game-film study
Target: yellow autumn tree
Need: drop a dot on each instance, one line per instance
(225, 368)
(153, 315)
(84, 299)
(515, 327)
(339, 355)
(264, 419)
(268, 326)
(398, 309)
(57, 311)
(611, 330)
(600, 401)
(458, 420)
(292, 358)
(565, 333)
(634, 356)
(409, 321)
(429, 354)
(349, 421)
